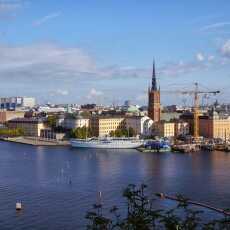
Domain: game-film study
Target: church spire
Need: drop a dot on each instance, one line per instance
(154, 81)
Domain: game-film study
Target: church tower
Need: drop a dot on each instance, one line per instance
(154, 106)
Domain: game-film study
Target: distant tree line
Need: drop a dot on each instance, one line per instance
(130, 132)
(84, 132)
(11, 132)
(81, 133)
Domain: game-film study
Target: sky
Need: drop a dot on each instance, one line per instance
(101, 51)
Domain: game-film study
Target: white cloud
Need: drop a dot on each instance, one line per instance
(48, 61)
(37, 68)
(63, 92)
(46, 18)
(45, 60)
(142, 97)
(215, 26)
(176, 69)
(225, 49)
(9, 7)
(200, 57)
(93, 94)
(60, 92)
(211, 58)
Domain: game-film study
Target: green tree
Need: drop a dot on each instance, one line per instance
(85, 114)
(118, 133)
(52, 121)
(112, 134)
(81, 133)
(130, 132)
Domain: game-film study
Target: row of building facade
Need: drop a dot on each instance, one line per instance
(103, 125)
(212, 125)
(154, 123)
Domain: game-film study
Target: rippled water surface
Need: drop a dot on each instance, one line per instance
(40, 178)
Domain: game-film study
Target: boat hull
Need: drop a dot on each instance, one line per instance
(107, 144)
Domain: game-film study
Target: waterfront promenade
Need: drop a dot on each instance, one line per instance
(36, 141)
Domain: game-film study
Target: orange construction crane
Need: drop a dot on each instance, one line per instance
(196, 92)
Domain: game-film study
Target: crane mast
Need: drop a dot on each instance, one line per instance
(196, 112)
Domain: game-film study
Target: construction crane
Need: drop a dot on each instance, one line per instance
(196, 92)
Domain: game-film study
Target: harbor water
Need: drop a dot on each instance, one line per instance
(57, 185)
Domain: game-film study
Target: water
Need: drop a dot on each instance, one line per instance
(57, 185)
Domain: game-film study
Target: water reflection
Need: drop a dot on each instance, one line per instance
(40, 177)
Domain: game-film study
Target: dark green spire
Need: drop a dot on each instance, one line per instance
(154, 80)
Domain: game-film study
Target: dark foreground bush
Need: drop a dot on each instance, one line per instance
(141, 215)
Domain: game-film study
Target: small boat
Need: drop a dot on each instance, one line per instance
(227, 148)
(18, 206)
(156, 146)
(186, 148)
(208, 147)
(148, 150)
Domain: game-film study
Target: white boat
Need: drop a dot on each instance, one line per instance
(107, 143)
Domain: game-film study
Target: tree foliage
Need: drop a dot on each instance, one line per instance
(11, 132)
(85, 114)
(52, 121)
(81, 133)
(130, 132)
(141, 215)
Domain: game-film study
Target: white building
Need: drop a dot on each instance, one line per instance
(48, 109)
(142, 125)
(28, 102)
(73, 123)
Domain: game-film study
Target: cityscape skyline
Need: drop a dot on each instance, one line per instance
(43, 55)
(110, 110)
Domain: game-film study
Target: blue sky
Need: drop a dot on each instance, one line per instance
(101, 51)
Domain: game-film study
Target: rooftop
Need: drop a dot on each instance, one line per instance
(28, 120)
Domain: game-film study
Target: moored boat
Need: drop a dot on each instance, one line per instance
(107, 143)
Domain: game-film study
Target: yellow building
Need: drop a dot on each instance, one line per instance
(164, 129)
(8, 115)
(215, 126)
(103, 125)
(30, 126)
